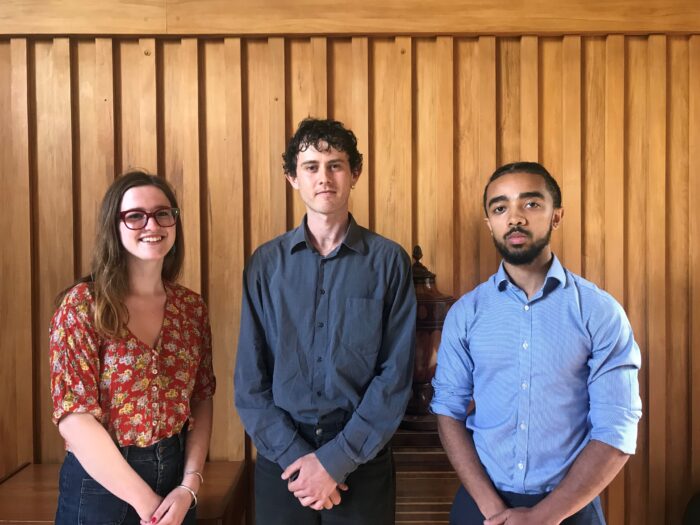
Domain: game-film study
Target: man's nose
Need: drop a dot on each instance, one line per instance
(516, 218)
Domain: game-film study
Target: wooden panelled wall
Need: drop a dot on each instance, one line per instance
(615, 118)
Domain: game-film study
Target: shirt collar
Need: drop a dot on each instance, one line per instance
(354, 237)
(555, 275)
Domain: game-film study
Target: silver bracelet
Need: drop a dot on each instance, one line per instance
(197, 473)
(194, 496)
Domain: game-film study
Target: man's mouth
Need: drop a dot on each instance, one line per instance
(517, 237)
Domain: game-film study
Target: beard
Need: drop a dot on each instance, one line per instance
(521, 256)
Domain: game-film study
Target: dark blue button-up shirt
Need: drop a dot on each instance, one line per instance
(325, 339)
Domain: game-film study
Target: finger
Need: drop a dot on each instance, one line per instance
(303, 493)
(290, 470)
(342, 486)
(334, 497)
(307, 501)
(320, 505)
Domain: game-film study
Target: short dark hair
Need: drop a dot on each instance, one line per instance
(322, 134)
(535, 168)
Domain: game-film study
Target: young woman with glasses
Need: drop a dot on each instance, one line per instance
(131, 369)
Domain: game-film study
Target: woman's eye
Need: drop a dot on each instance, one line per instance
(135, 216)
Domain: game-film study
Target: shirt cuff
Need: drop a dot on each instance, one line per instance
(298, 448)
(616, 427)
(336, 462)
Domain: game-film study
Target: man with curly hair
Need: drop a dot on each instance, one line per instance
(325, 355)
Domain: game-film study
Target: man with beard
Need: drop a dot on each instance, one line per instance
(551, 364)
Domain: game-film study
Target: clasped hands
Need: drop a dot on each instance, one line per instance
(518, 516)
(312, 486)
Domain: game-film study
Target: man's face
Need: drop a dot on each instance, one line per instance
(324, 180)
(521, 216)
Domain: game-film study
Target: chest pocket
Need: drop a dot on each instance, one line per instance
(362, 324)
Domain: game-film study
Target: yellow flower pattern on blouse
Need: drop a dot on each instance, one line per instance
(140, 394)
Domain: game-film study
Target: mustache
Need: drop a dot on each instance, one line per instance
(517, 229)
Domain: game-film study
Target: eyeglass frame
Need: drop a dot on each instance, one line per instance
(175, 212)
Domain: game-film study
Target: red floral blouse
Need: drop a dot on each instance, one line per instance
(140, 394)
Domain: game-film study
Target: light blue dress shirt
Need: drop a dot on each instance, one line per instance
(547, 375)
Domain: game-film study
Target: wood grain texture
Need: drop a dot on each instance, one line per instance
(694, 259)
(53, 212)
(615, 118)
(247, 17)
(635, 264)
(656, 273)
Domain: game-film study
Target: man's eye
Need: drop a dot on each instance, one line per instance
(498, 209)
(532, 204)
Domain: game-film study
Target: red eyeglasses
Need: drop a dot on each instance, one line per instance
(137, 219)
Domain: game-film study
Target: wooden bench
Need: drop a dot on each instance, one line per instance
(29, 497)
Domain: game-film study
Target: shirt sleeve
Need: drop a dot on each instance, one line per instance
(453, 383)
(74, 362)
(613, 387)
(271, 428)
(205, 382)
(383, 404)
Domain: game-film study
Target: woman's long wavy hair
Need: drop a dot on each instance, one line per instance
(109, 278)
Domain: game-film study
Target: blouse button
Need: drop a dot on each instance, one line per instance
(155, 423)
(155, 371)
(154, 388)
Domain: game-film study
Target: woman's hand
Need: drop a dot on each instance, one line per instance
(172, 509)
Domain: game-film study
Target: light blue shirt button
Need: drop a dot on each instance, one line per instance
(523, 426)
(521, 465)
(523, 385)
(525, 345)
(526, 308)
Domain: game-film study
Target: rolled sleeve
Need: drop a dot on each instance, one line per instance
(453, 383)
(613, 386)
(74, 362)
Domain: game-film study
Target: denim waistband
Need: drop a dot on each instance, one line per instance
(164, 447)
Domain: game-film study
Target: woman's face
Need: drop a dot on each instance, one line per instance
(152, 242)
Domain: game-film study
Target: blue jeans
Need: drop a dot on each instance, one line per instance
(465, 512)
(83, 501)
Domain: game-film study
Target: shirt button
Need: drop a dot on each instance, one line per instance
(521, 465)
(318, 393)
(155, 423)
(320, 325)
(526, 308)
(154, 388)
(525, 345)
(523, 426)
(322, 291)
(155, 371)
(319, 431)
(523, 385)
(319, 359)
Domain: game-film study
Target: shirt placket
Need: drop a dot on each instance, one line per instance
(524, 387)
(154, 389)
(320, 331)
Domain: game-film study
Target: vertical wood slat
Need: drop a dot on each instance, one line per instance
(508, 100)
(226, 230)
(359, 123)
(277, 138)
(17, 325)
(392, 134)
(469, 182)
(551, 132)
(678, 362)
(138, 111)
(529, 98)
(694, 258)
(444, 202)
(488, 259)
(614, 190)
(54, 208)
(96, 136)
(656, 308)
(571, 151)
(636, 472)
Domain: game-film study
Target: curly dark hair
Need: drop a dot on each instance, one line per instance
(322, 134)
